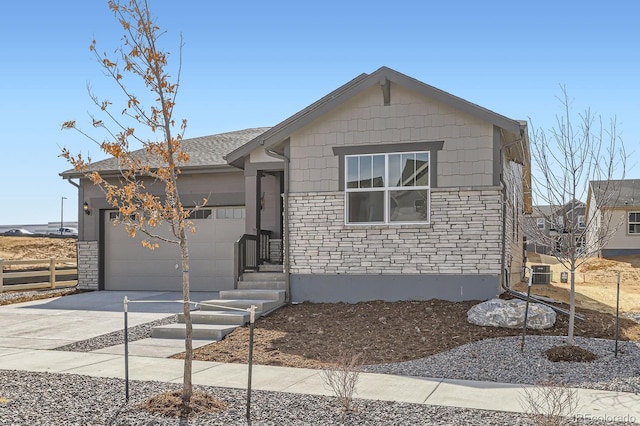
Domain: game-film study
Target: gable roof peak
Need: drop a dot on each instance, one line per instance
(283, 130)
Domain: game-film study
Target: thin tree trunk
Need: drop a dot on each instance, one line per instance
(572, 307)
(187, 386)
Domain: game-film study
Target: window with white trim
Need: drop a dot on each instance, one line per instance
(581, 223)
(540, 222)
(634, 222)
(387, 188)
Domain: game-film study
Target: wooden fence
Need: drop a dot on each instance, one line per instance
(38, 274)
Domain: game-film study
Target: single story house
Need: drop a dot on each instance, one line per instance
(614, 206)
(386, 188)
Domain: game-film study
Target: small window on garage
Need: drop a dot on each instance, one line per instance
(230, 213)
(119, 217)
(201, 214)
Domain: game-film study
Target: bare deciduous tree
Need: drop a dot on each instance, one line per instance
(146, 192)
(576, 151)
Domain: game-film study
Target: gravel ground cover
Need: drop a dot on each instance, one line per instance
(500, 360)
(8, 297)
(65, 399)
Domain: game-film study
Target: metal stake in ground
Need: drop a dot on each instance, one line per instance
(617, 315)
(126, 350)
(252, 320)
(526, 312)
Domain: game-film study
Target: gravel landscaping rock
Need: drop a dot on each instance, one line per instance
(635, 316)
(500, 360)
(12, 296)
(54, 399)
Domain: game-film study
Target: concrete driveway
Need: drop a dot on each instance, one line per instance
(50, 323)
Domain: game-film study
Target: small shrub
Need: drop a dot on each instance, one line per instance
(342, 378)
(549, 404)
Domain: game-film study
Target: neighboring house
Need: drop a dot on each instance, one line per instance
(616, 202)
(547, 227)
(386, 188)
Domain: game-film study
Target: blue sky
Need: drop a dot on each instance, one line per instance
(250, 64)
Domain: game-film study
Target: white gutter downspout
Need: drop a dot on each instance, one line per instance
(285, 201)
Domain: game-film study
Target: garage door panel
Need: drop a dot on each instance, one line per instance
(224, 251)
(228, 232)
(141, 268)
(199, 250)
(130, 266)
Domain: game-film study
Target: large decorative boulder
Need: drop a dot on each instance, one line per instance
(510, 314)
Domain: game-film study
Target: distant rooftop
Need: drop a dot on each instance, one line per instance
(616, 193)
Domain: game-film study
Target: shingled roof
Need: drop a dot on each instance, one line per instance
(205, 151)
(616, 193)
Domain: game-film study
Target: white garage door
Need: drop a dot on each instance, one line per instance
(129, 266)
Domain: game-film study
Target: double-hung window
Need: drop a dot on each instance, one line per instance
(540, 222)
(634, 222)
(581, 223)
(387, 188)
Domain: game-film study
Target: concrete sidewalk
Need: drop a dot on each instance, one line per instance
(454, 393)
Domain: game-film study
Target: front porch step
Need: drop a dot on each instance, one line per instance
(270, 268)
(265, 288)
(200, 331)
(253, 293)
(217, 317)
(263, 276)
(273, 285)
(261, 304)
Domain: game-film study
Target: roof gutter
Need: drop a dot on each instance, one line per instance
(68, 179)
(285, 201)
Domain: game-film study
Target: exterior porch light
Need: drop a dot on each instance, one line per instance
(85, 208)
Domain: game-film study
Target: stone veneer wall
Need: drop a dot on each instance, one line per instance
(88, 265)
(463, 238)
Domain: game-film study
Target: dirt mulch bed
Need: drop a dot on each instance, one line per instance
(169, 404)
(570, 353)
(312, 335)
